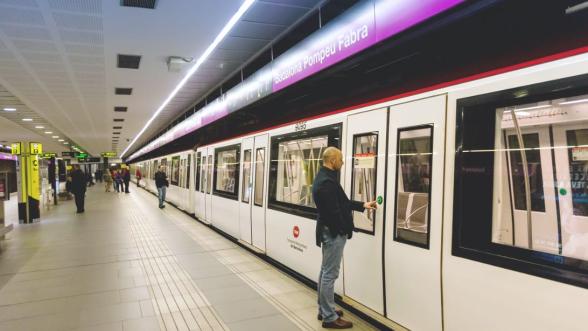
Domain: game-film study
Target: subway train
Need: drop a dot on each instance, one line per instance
(482, 185)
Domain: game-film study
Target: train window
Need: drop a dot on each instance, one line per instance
(155, 168)
(363, 178)
(175, 170)
(414, 162)
(197, 174)
(295, 161)
(246, 185)
(259, 174)
(226, 175)
(209, 175)
(521, 175)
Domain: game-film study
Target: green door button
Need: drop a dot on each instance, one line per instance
(563, 191)
(379, 199)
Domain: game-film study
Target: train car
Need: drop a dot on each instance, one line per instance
(482, 186)
(178, 168)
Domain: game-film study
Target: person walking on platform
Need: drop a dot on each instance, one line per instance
(108, 180)
(334, 226)
(78, 187)
(138, 175)
(161, 183)
(118, 181)
(126, 177)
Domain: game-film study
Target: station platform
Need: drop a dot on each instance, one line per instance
(127, 265)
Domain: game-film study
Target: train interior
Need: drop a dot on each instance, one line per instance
(541, 176)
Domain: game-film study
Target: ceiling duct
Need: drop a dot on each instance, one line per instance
(128, 61)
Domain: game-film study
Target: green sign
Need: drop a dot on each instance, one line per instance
(82, 155)
(48, 155)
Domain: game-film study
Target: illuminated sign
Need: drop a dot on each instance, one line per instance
(362, 26)
(35, 148)
(16, 148)
(108, 154)
(48, 155)
(81, 155)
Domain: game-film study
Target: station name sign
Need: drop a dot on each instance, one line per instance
(362, 26)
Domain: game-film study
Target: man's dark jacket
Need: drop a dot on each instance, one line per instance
(333, 206)
(160, 179)
(78, 182)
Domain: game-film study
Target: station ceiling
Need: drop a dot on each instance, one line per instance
(59, 63)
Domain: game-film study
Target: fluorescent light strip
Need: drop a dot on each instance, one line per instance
(244, 7)
(573, 102)
(534, 107)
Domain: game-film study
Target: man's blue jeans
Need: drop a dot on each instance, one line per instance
(161, 195)
(332, 255)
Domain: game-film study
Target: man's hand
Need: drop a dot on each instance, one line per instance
(370, 205)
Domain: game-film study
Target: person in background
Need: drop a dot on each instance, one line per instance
(138, 175)
(78, 187)
(161, 183)
(117, 180)
(108, 180)
(89, 179)
(126, 178)
(334, 226)
(98, 175)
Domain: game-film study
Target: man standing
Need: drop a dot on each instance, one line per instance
(78, 187)
(138, 175)
(126, 179)
(161, 183)
(334, 226)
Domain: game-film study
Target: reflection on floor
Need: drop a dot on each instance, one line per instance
(126, 265)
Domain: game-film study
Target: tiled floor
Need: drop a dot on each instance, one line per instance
(126, 265)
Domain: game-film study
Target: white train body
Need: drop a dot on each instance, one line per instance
(401, 265)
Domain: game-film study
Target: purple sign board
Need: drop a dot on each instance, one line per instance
(6, 156)
(362, 26)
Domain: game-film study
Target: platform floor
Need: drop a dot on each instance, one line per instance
(127, 265)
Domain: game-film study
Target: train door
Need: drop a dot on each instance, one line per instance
(571, 161)
(365, 164)
(198, 195)
(414, 213)
(246, 182)
(544, 231)
(209, 181)
(260, 168)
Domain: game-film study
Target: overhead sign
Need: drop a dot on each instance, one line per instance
(90, 160)
(35, 148)
(81, 155)
(16, 148)
(70, 154)
(362, 26)
(108, 154)
(48, 155)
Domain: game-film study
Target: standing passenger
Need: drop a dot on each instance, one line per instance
(138, 175)
(108, 180)
(334, 226)
(78, 187)
(126, 177)
(161, 183)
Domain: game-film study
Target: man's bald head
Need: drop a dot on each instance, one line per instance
(332, 158)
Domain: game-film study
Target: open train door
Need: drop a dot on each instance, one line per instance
(245, 196)
(365, 167)
(414, 214)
